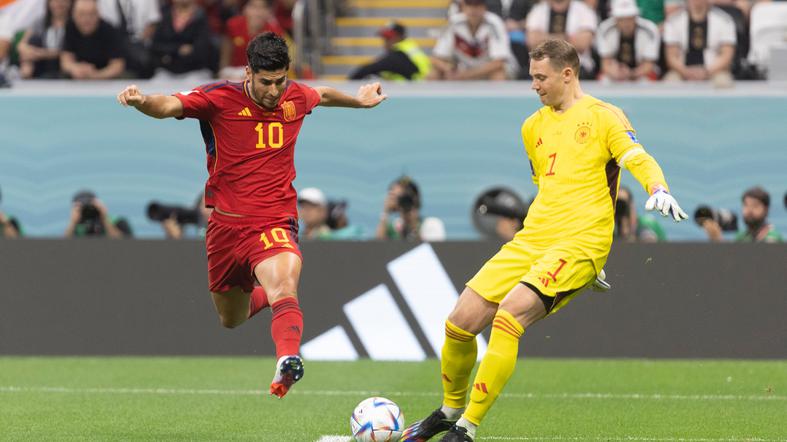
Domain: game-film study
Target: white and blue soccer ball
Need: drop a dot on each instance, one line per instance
(377, 419)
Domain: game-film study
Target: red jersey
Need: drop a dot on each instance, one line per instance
(251, 150)
(238, 33)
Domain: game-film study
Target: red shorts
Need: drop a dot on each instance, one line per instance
(236, 245)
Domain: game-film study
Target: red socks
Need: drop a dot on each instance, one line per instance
(257, 301)
(286, 326)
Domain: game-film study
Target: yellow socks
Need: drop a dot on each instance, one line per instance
(496, 367)
(458, 358)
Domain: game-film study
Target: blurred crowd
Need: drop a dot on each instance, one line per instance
(619, 40)
(497, 214)
(106, 39)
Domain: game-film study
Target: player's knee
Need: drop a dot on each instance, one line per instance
(230, 322)
(286, 288)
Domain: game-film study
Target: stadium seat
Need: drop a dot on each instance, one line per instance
(768, 29)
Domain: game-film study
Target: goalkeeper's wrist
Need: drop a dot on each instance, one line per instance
(658, 188)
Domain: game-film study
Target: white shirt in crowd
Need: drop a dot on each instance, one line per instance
(721, 31)
(18, 15)
(490, 42)
(580, 17)
(139, 14)
(646, 40)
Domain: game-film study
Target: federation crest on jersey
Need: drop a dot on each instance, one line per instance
(582, 135)
(288, 110)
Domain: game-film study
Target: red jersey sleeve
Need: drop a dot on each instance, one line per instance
(202, 102)
(312, 98)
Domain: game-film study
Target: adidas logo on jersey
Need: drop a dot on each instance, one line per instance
(245, 112)
(383, 330)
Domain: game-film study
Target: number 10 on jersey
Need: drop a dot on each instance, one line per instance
(270, 135)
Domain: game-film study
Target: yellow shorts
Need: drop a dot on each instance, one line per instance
(557, 274)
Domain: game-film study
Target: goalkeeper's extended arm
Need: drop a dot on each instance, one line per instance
(647, 171)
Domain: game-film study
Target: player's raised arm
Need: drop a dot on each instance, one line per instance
(156, 106)
(369, 95)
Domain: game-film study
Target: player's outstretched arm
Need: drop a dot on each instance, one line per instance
(369, 95)
(156, 106)
(647, 171)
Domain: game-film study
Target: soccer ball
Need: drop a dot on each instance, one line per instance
(377, 419)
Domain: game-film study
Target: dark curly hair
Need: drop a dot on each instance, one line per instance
(268, 52)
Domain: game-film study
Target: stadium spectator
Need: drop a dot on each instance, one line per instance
(175, 219)
(404, 201)
(628, 44)
(282, 9)
(182, 41)
(218, 12)
(653, 10)
(475, 46)
(255, 19)
(632, 227)
(41, 45)
(9, 226)
(403, 59)
(92, 48)
(339, 223)
(571, 20)
(15, 17)
(136, 20)
(755, 204)
(313, 211)
(700, 44)
(90, 218)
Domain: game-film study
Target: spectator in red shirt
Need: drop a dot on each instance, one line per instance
(283, 11)
(241, 29)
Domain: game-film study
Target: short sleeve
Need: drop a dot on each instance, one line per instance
(652, 44)
(312, 98)
(587, 19)
(536, 20)
(671, 31)
(198, 103)
(499, 45)
(444, 48)
(726, 29)
(605, 39)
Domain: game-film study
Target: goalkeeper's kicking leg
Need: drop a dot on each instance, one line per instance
(470, 316)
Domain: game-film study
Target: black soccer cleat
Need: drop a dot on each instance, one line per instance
(289, 370)
(457, 434)
(426, 429)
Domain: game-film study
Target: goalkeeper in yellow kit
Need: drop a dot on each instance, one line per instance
(576, 145)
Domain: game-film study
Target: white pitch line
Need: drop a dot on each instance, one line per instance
(369, 393)
(334, 438)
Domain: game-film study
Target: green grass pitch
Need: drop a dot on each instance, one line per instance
(162, 399)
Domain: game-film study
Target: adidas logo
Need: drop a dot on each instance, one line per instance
(380, 325)
(245, 112)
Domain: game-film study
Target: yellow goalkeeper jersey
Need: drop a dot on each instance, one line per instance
(574, 159)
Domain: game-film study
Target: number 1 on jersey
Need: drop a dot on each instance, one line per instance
(275, 135)
(552, 165)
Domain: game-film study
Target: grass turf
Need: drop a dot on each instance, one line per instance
(157, 398)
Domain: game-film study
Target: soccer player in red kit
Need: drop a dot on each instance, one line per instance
(250, 129)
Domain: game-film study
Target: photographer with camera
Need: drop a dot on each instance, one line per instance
(9, 226)
(174, 219)
(498, 213)
(404, 200)
(755, 204)
(632, 227)
(89, 217)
